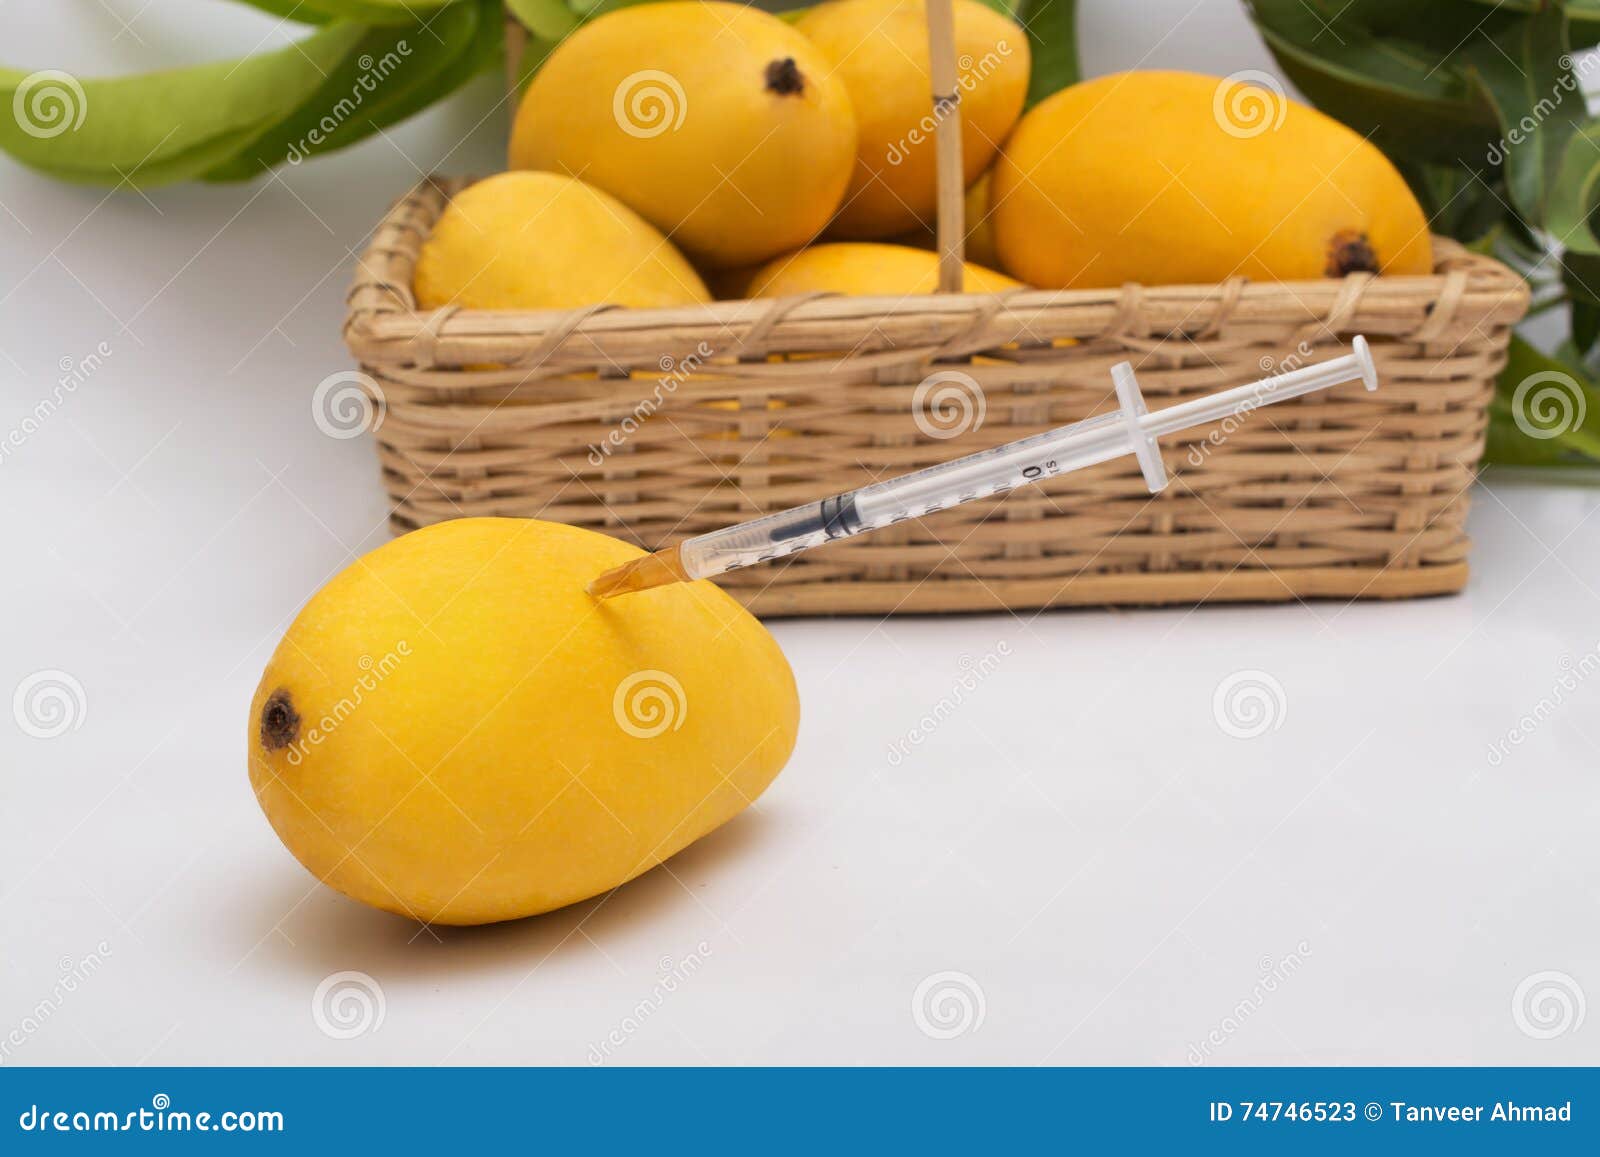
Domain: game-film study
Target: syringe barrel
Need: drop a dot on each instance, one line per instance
(980, 475)
(770, 537)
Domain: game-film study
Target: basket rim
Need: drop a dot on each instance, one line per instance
(383, 326)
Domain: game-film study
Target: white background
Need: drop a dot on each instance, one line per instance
(1110, 869)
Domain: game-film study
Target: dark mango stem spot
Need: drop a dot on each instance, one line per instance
(1350, 252)
(783, 77)
(280, 723)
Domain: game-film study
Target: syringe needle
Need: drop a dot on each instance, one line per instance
(653, 570)
(1131, 429)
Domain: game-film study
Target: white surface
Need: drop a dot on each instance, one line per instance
(1079, 837)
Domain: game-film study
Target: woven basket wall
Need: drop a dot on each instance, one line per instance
(657, 425)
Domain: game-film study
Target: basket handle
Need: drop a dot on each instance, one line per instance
(950, 225)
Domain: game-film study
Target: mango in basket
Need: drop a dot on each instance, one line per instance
(454, 730)
(865, 269)
(547, 241)
(718, 122)
(1171, 177)
(880, 48)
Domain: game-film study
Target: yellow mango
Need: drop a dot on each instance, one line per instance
(718, 122)
(862, 268)
(1172, 177)
(454, 730)
(880, 48)
(979, 223)
(547, 241)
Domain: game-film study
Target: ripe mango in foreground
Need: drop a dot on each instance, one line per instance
(454, 730)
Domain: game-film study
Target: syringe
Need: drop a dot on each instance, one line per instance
(1131, 429)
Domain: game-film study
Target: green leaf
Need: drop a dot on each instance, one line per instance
(353, 11)
(1585, 326)
(1583, 16)
(184, 166)
(1440, 26)
(1580, 274)
(1387, 70)
(162, 126)
(391, 73)
(290, 10)
(1575, 194)
(1583, 22)
(387, 11)
(485, 51)
(1544, 413)
(545, 19)
(589, 9)
(1526, 74)
(1052, 27)
(1461, 204)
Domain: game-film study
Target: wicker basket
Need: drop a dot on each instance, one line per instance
(656, 425)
